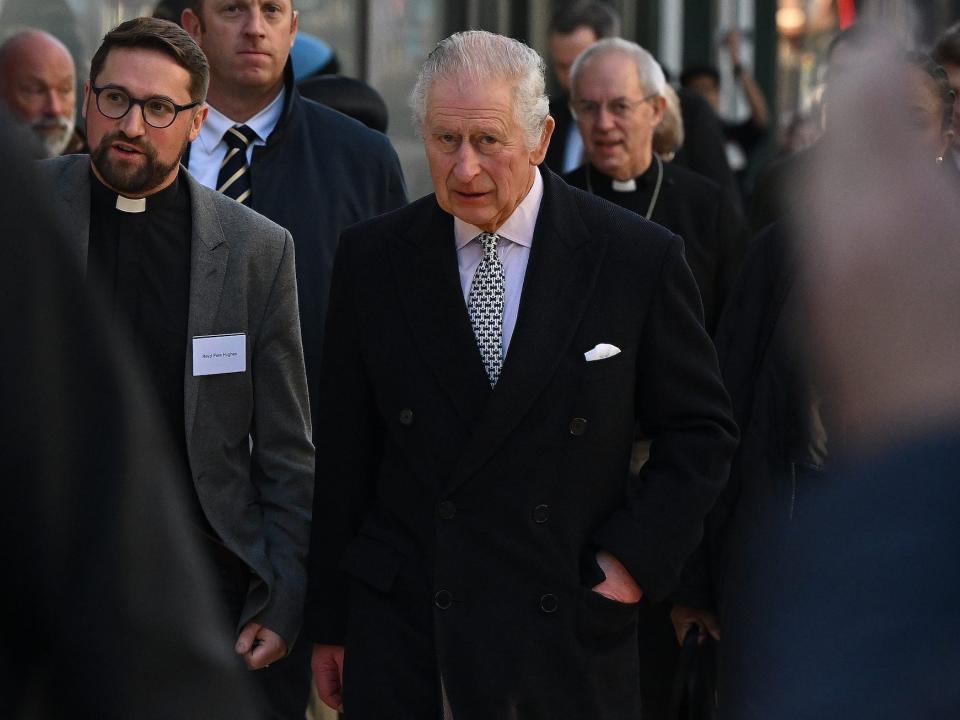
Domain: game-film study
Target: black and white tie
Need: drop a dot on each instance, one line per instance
(234, 178)
(486, 306)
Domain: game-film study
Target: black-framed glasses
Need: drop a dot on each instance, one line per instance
(620, 107)
(158, 112)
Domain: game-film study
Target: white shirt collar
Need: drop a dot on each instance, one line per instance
(518, 227)
(263, 123)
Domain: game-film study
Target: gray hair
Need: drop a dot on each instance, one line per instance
(652, 80)
(482, 56)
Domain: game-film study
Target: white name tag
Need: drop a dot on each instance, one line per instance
(219, 354)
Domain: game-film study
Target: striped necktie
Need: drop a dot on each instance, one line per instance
(234, 178)
(486, 307)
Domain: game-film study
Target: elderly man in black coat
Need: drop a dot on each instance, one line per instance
(479, 547)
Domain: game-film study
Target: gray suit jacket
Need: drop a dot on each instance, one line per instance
(242, 280)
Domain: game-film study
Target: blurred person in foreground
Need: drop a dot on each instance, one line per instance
(109, 600)
(800, 428)
(946, 52)
(38, 88)
(618, 100)
(206, 290)
(479, 547)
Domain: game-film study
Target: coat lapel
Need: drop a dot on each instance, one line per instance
(562, 271)
(425, 265)
(209, 252)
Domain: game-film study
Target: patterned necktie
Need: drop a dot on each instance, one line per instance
(234, 178)
(486, 307)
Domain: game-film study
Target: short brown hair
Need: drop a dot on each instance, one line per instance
(165, 37)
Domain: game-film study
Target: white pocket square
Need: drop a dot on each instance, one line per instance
(601, 352)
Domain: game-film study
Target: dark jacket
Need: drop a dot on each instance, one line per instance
(479, 512)
(699, 212)
(319, 173)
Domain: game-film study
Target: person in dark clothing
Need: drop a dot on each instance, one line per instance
(573, 29)
(618, 97)
(795, 421)
(111, 600)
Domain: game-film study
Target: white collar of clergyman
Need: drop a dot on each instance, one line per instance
(518, 227)
(263, 123)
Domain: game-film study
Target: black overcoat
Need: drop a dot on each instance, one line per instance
(455, 527)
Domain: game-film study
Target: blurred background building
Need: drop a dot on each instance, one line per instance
(384, 41)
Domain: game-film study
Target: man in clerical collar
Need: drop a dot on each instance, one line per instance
(618, 100)
(205, 290)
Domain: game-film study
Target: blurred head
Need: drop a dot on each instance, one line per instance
(947, 53)
(37, 83)
(247, 42)
(480, 106)
(705, 81)
(149, 66)
(617, 98)
(576, 27)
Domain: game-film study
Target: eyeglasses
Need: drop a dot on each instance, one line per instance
(619, 108)
(158, 112)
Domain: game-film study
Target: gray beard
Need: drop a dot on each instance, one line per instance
(53, 145)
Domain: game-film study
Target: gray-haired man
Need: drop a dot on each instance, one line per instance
(478, 549)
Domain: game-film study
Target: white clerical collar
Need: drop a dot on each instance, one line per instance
(518, 227)
(131, 205)
(263, 123)
(624, 186)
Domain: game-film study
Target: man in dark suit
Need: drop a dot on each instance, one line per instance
(206, 292)
(479, 548)
(618, 95)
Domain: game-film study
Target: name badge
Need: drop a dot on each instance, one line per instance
(219, 354)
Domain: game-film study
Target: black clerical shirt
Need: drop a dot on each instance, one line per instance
(140, 263)
(694, 208)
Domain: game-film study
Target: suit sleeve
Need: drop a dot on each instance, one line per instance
(683, 408)
(349, 440)
(282, 449)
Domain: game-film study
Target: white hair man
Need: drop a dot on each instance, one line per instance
(477, 550)
(38, 87)
(618, 98)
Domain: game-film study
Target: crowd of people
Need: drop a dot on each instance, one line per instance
(594, 430)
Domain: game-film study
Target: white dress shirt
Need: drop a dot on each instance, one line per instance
(209, 149)
(513, 249)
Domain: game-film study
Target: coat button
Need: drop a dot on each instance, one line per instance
(541, 513)
(446, 510)
(578, 426)
(549, 603)
(406, 417)
(443, 599)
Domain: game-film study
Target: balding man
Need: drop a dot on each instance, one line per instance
(618, 100)
(38, 86)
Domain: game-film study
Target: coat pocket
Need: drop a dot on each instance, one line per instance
(372, 561)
